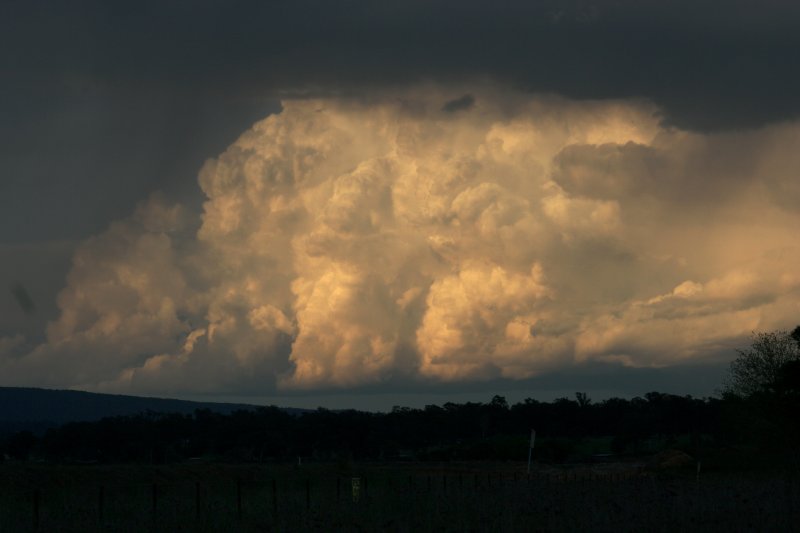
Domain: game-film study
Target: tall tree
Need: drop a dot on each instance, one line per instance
(760, 367)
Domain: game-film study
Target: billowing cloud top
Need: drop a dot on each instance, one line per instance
(436, 234)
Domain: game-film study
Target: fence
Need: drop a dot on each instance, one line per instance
(419, 500)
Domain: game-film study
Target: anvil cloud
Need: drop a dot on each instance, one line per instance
(438, 233)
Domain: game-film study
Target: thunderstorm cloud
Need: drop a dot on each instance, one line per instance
(436, 234)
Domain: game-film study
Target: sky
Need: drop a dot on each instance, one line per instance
(364, 204)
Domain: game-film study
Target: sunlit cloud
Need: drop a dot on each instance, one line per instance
(436, 234)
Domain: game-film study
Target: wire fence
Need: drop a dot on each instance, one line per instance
(406, 500)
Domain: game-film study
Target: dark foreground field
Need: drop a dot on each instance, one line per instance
(401, 497)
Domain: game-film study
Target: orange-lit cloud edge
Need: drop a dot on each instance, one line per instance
(346, 242)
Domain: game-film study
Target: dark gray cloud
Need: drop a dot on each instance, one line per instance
(710, 64)
(23, 298)
(459, 104)
(39, 269)
(110, 100)
(77, 156)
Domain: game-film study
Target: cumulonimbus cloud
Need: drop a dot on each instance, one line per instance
(346, 242)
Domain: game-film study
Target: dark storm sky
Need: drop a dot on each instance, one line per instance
(112, 99)
(102, 103)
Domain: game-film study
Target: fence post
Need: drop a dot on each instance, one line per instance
(197, 500)
(100, 502)
(308, 494)
(36, 509)
(274, 499)
(155, 502)
(239, 498)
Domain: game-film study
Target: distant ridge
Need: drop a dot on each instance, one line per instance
(37, 409)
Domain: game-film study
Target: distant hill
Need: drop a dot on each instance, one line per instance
(37, 409)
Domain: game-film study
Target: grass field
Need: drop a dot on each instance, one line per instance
(392, 497)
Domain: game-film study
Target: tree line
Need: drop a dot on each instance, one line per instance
(473, 430)
(757, 411)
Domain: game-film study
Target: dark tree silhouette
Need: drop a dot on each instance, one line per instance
(796, 335)
(20, 445)
(758, 368)
(493, 430)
